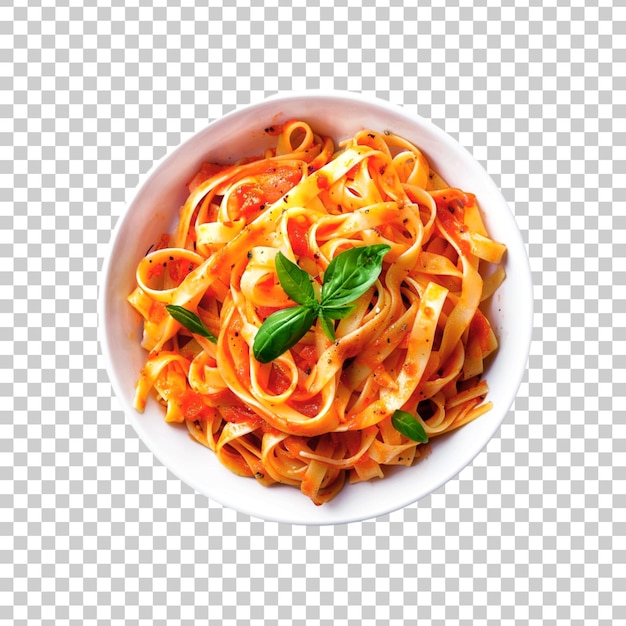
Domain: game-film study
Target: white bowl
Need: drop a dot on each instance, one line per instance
(153, 211)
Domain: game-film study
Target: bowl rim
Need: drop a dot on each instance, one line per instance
(240, 505)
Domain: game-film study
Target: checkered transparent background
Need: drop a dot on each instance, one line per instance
(95, 531)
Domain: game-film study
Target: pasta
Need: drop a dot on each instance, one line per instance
(409, 350)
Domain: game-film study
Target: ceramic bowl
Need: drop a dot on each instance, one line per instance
(153, 210)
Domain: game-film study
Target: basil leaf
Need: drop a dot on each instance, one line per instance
(336, 313)
(190, 321)
(351, 273)
(282, 330)
(348, 276)
(410, 427)
(327, 326)
(327, 315)
(294, 280)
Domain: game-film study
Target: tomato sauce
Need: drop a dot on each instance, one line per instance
(305, 358)
(251, 198)
(310, 407)
(192, 405)
(451, 205)
(157, 311)
(240, 414)
(481, 330)
(204, 173)
(297, 231)
(278, 381)
(178, 269)
(322, 182)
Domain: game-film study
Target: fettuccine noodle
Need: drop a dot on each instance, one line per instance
(320, 413)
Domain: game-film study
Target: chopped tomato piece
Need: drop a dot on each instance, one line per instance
(297, 231)
(322, 182)
(278, 381)
(265, 311)
(251, 198)
(305, 357)
(238, 414)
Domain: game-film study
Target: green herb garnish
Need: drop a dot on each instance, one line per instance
(282, 330)
(190, 321)
(295, 282)
(410, 427)
(348, 276)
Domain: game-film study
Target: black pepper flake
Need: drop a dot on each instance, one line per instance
(371, 135)
(259, 475)
(171, 258)
(269, 129)
(249, 255)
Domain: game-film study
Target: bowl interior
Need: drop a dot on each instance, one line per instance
(153, 211)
